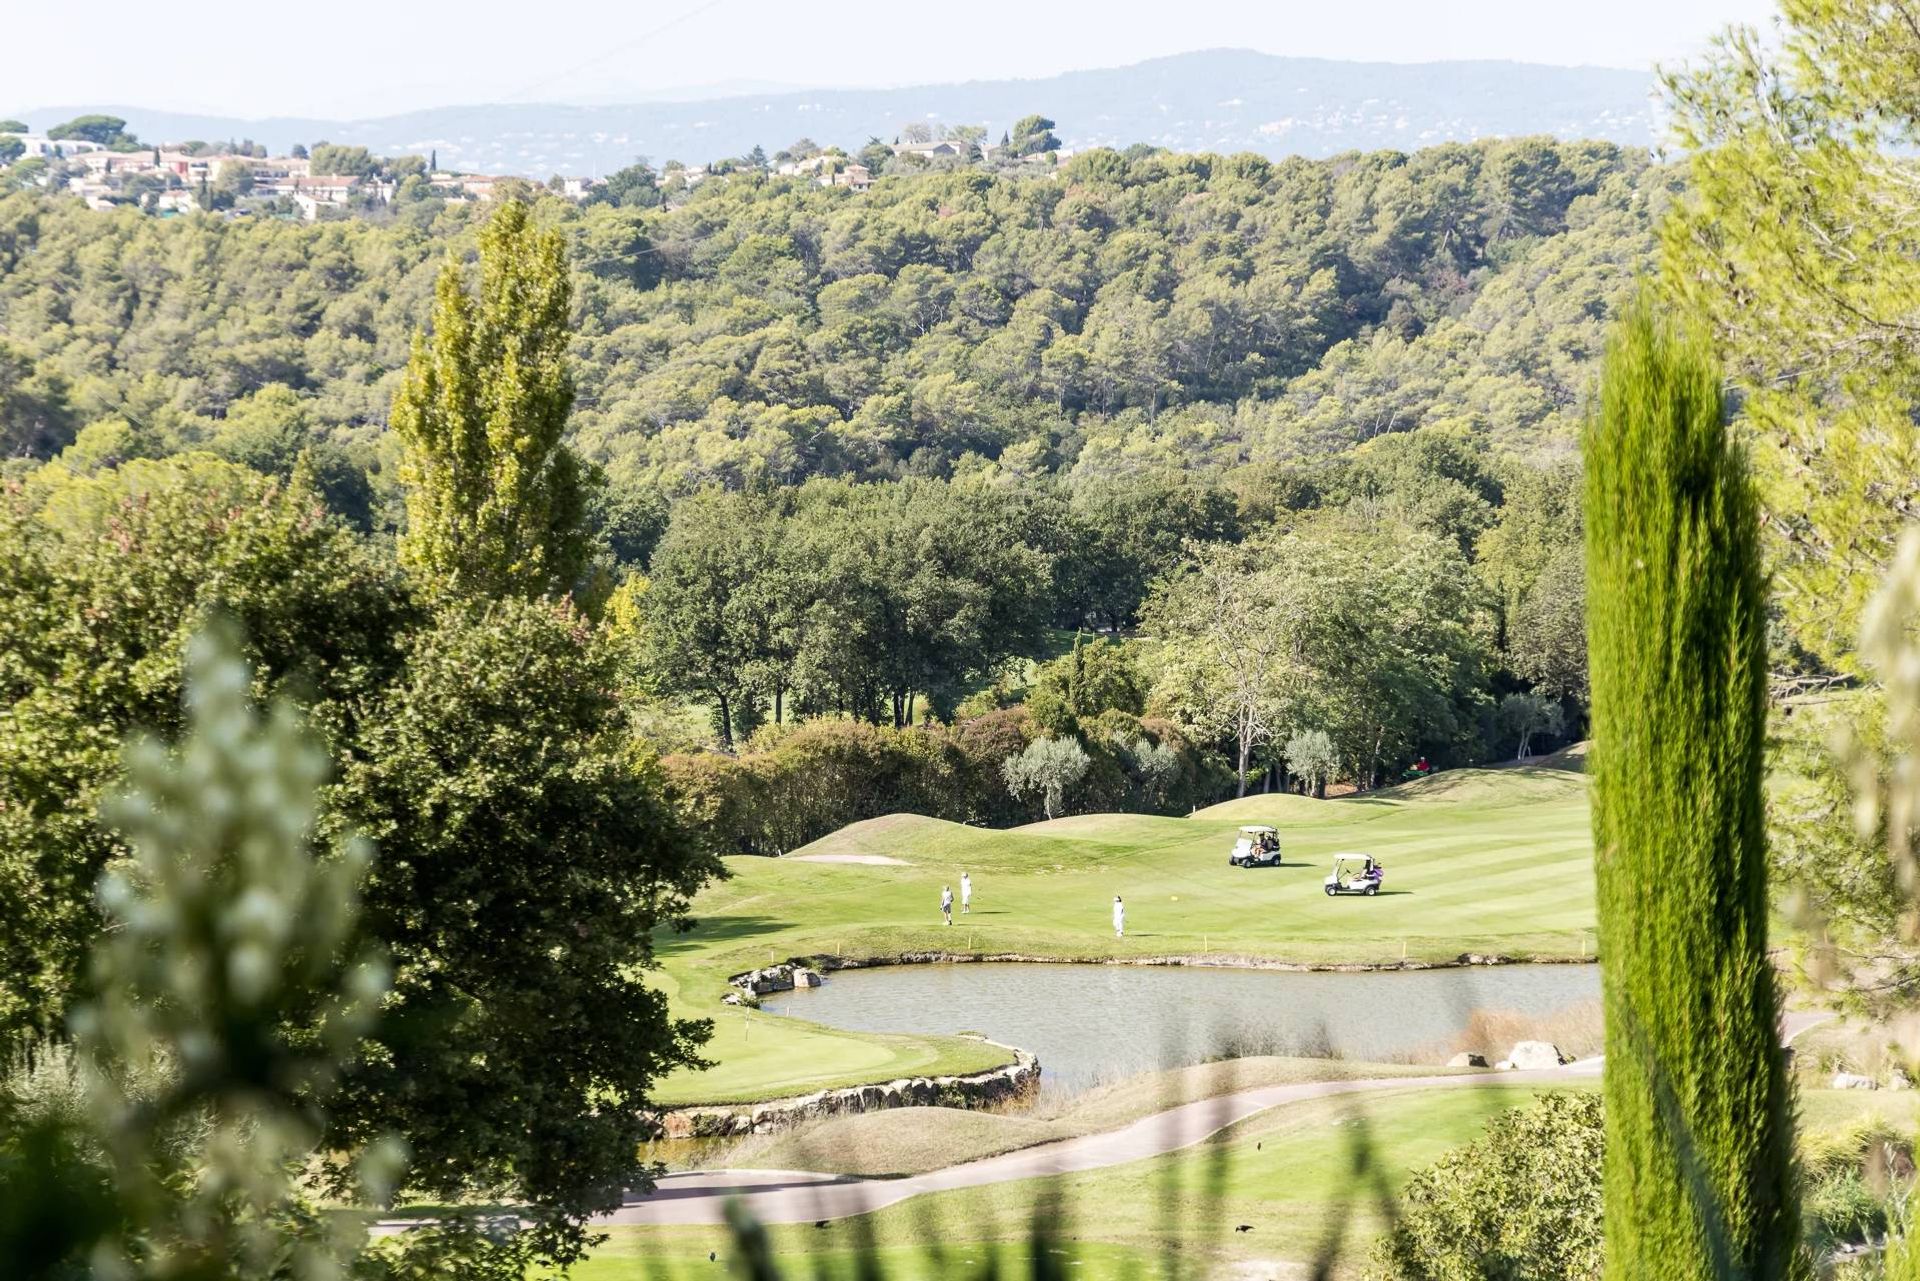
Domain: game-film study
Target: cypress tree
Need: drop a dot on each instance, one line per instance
(494, 496)
(1699, 1181)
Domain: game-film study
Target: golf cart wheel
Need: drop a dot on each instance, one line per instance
(1372, 890)
(1330, 891)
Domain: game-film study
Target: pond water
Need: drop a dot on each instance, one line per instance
(1096, 1023)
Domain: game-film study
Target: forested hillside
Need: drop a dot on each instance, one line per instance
(1308, 426)
(1138, 311)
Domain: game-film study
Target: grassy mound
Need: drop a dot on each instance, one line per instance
(914, 838)
(1277, 809)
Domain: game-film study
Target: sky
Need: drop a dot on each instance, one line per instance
(352, 59)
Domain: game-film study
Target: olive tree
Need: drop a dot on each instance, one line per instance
(1048, 768)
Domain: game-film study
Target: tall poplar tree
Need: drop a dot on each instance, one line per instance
(494, 496)
(1699, 1176)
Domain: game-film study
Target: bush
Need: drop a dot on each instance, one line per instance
(1841, 1208)
(797, 783)
(1853, 1174)
(1522, 1202)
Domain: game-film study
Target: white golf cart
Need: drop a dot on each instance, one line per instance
(1256, 847)
(1354, 874)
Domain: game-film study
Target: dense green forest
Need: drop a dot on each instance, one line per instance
(866, 456)
(1135, 311)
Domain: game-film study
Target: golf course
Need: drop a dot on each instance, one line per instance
(1488, 862)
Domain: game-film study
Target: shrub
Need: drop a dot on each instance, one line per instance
(799, 782)
(1842, 1208)
(1523, 1201)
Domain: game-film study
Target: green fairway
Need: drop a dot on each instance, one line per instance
(1487, 861)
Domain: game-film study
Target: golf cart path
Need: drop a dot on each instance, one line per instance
(792, 1196)
(798, 1196)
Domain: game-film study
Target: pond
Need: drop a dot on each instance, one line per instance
(1091, 1024)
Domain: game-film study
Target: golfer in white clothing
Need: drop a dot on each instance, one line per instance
(966, 894)
(1119, 917)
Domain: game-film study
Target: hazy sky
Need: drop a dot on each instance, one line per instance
(355, 58)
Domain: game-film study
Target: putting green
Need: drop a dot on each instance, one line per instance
(1487, 861)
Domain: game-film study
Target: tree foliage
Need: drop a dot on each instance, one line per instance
(1700, 1181)
(1048, 768)
(1795, 239)
(1152, 312)
(1378, 642)
(1521, 1201)
(231, 988)
(107, 131)
(527, 858)
(103, 582)
(527, 849)
(494, 495)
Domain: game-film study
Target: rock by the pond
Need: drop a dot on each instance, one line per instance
(1467, 1060)
(1504, 1065)
(1853, 1081)
(803, 977)
(1899, 1080)
(774, 978)
(1530, 1056)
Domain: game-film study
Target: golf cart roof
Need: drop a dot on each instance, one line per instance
(1351, 857)
(1256, 829)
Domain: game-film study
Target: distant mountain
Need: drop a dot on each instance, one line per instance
(1218, 100)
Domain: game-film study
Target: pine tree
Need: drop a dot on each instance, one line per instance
(1699, 1168)
(494, 497)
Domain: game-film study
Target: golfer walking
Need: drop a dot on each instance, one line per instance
(1119, 918)
(966, 894)
(946, 903)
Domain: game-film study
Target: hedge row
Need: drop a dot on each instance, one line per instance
(796, 783)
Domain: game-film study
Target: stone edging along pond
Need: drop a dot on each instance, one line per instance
(806, 971)
(972, 1090)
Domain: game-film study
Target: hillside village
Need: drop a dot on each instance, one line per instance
(96, 159)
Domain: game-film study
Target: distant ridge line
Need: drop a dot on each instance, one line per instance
(1223, 100)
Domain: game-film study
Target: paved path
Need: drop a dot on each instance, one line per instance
(796, 1196)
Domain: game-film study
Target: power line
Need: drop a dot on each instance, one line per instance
(616, 50)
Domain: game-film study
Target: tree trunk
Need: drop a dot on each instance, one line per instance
(726, 724)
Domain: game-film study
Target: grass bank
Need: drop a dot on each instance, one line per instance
(917, 1140)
